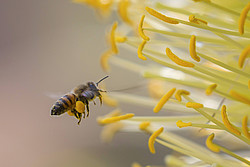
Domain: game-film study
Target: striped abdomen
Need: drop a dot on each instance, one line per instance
(62, 105)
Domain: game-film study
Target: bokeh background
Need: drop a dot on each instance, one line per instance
(48, 47)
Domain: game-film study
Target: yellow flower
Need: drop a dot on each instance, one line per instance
(198, 47)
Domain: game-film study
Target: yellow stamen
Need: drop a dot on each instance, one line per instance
(120, 39)
(210, 89)
(226, 122)
(144, 125)
(181, 124)
(109, 100)
(155, 88)
(181, 92)
(239, 97)
(70, 113)
(117, 118)
(177, 60)
(113, 113)
(109, 131)
(123, 11)
(194, 105)
(104, 60)
(163, 100)
(112, 38)
(243, 56)
(192, 48)
(135, 164)
(80, 107)
(245, 128)
(152, 138)
(140, 48)
(161, 16)
(193, 19)
(146, 38)
(242, 19)
(209, 142)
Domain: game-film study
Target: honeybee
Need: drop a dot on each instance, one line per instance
(83, 93)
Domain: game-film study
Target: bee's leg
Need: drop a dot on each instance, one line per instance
(80, 118)
(94, 102)
(100, 98)
(87, 106)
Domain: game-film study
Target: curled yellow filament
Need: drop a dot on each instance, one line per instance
(243, 56)
(210, 89)
(152, 138)
(163, 100)
(80, 107)
(144, 125)
(181, 124)
(161, 16)
(112, 38)
(209, 143)
(226, 122)
(140, 48)
(177, 60)
(123, 11)
(242, 19)
(239, 97)
(192, 48)
(181, 92)
(244, 127)
(146, 38)
(117, 118)
(194, 105)
(104, 60)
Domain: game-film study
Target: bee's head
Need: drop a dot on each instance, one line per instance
(92, 86)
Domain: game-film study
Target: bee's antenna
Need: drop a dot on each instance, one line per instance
(101, 80)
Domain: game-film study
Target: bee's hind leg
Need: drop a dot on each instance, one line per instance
(78, 116)
(87, 106)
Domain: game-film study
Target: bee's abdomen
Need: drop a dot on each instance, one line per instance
(62, 105)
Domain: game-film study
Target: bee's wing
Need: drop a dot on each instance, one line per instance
(54, 96)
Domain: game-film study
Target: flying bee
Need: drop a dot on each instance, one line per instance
(83, 93)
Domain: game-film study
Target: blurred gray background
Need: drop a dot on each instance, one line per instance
(50, 47)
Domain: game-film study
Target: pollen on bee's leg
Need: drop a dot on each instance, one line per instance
(140, 29)
(177, 60)
(243, 56)
(163, 100)
(80, 107)
(226, 122)
(210, 89)
(152, 138)
(70, 113)
(209, 143)
(242, 19)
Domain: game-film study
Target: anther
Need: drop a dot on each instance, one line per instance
(117, 118)
(152, 138)
(244, 127)
(140, 29)
(161, 16)
(140, 48)
(209, 143)
(192, 48)
(226, 122)
(181, 92)
(194, 105)
(242, 19)
(163, 100)
(177, 60)
(210, 89)
(181, 124)
(243, 56)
